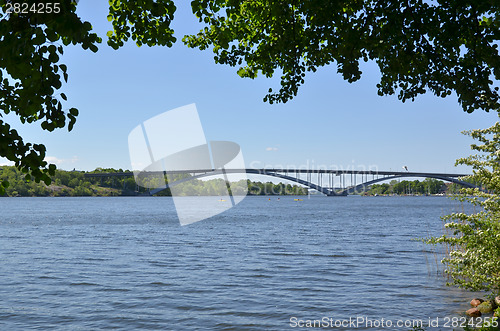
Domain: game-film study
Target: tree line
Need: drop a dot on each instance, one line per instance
(74, 183)
(427, 186)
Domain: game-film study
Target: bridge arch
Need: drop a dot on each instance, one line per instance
(325, 190)
(362, 186)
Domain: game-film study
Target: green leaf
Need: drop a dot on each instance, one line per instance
(73, 111)
(47, 180)
(72, 121)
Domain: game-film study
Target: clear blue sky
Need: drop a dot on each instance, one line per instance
(330, 123)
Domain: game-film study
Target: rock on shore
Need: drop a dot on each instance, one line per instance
(476, 302)
(486, 307)
(473, 312)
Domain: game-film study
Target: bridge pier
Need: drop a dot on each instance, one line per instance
(336, 194)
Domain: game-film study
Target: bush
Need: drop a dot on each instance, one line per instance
(474, 259)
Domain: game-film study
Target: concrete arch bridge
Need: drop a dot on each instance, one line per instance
(328, 182)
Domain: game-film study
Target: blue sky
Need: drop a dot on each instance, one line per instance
(330, 123)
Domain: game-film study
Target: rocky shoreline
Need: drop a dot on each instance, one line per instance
(480, 307)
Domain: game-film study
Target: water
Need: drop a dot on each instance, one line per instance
(126, 263)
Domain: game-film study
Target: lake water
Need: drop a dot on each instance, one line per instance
(126, 263)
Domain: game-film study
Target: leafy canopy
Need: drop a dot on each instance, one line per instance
(31, 73)
(441, 46)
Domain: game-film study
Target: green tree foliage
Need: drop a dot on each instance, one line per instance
(268, 188)
(474, 261)
(20, 186)
(218, 187)
(440, 46)
(146, 22)
(443, 47)
(74, 183)
(427, 186)
(31, 73)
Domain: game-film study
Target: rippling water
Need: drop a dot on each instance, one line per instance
(126, 263)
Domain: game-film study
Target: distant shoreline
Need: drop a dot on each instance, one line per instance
(75, 183)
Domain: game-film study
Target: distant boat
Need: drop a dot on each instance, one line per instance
(222, 200)
(298, 200)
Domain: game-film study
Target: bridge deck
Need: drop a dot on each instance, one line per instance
(300, 171)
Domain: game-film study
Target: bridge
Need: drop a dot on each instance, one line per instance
(328, 182)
